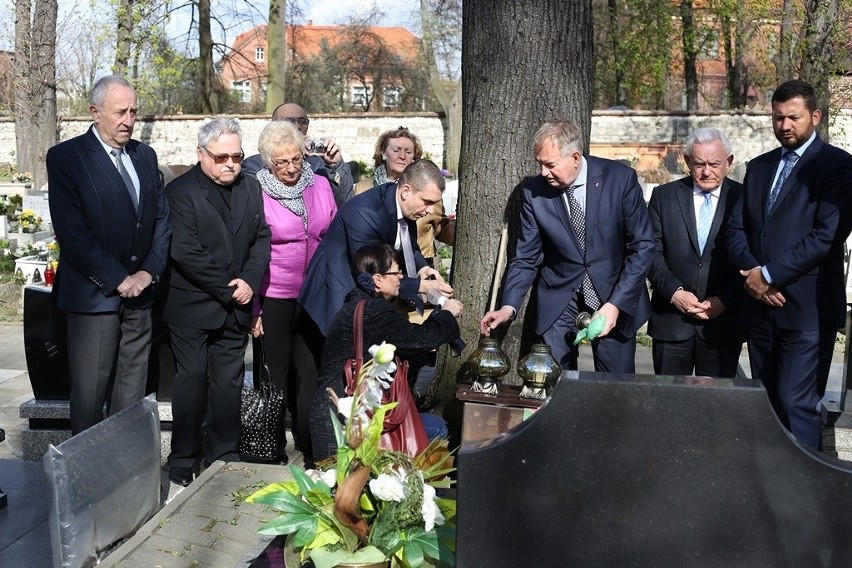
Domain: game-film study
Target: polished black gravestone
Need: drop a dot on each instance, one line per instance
(632, 470)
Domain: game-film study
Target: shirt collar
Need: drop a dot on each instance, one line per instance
(582, 177)
(698, 191)
(801, 149)
(106, 146)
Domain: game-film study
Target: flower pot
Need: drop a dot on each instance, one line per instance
(384, 564)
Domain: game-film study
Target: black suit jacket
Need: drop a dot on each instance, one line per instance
(365, 219)
(619, 247)
(102, 236)
(209, 249)
(801, 240)
(678, 263)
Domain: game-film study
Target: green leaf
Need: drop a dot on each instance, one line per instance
(369, 448)
(304, 482)
(339, 435)
(306, 533)
(288, 486)
(324, 558)
(286, 502)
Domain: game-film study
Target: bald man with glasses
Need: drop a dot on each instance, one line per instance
(328, 164)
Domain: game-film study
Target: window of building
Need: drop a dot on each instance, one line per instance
(361, 95)
(259, 54)
(710, 46)
(242, 91)
(392, 97)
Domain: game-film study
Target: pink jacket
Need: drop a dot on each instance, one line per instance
(292, 246)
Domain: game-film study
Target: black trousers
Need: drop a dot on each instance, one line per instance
(209, 365)
(705, 358)
(106, 351)
(291, 364)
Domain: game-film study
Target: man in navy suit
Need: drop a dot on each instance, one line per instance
(786, 236)
(694, 319)
(382, 215)
(586, 238)
(112, 221)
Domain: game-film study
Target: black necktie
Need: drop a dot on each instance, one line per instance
(131, 189)
(578, 223)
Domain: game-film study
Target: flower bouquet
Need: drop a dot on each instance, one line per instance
(28, 221)
(367, 504)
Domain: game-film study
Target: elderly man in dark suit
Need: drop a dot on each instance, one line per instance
(696, 291)
(385, 214)
(786, 236)
(586, 238)
(220, 252)
(112, 221)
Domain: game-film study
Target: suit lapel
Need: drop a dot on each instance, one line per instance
(560, 209)
(594, 182)
(104, 162)
(239, 204)
(790, 182)
(139, 166)
(390, 229)
(685, 201)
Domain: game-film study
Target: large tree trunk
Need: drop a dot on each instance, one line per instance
(124, 37)
(277, 51)
(209, 103)
(784, 56)
(690, 55)
(523, 62)
(35, 85)
(822, 30)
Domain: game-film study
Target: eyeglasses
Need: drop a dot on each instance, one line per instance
(223, 158)
(302, 120)
(286, 163)
(397, 273)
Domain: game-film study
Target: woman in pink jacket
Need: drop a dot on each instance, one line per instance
(299, 206)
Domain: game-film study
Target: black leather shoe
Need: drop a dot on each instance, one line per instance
(181, 475)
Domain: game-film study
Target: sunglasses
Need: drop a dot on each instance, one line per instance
(223, 158)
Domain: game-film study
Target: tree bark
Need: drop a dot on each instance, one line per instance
(523, 62)
(35, 86)
(124, 37)
(209, 103)
(690, 54)
(818, 49)
(784, 57)
(276, 60)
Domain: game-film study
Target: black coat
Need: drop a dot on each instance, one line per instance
(382, 322)
(208, 251)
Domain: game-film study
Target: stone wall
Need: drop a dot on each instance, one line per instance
(643, 137)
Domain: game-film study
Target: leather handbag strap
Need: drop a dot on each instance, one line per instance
(353, 366)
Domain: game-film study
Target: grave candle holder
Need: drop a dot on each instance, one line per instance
(488, 363)
(539, 370)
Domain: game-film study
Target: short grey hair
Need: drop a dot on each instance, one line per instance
(706, 136)
(99, 90)
(212, 129)
(420, 173)
(563, 133)
(277, 136)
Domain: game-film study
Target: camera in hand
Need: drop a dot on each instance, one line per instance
(315, 146)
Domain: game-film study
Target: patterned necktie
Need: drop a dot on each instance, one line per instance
(131, 189)
(578, 223)
(789, 159)
(407, 249)
(705, 219)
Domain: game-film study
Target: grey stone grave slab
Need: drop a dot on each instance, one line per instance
(642, 470)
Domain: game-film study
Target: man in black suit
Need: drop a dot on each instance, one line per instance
(112, 220)
(586, 238)
(385, 214)
(786, 236)
(328, 164)
(220, 252)
(696, 290)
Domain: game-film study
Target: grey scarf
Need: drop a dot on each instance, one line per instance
(287, 195)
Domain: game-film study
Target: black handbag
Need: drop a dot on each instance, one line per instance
(260, 414)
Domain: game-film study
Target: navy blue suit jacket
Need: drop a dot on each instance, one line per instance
(365, 219)
(619, 247)
(102, 237)
(801, 240)
(679, 263)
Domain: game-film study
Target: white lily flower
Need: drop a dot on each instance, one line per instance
(388, 487)
(383, 354)
(383, 365)
(329, 477)
(373, 393)
(344, 406)
(431, 512)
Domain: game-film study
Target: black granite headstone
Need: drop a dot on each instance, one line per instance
(45, 345)
(652, 471)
